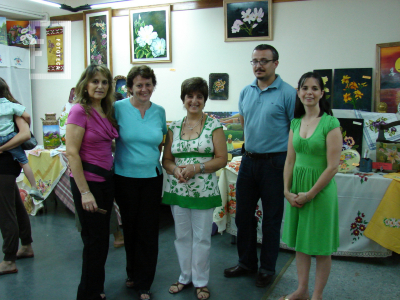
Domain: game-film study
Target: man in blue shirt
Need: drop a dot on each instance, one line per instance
(266, 108)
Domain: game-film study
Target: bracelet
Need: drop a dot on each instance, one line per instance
(194, 169)
(202, 168)
(85, 193)
(173, 171)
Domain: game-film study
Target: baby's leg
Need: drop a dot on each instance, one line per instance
(34, 192)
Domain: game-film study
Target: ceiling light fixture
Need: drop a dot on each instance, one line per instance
(117, 4)
(48, 3)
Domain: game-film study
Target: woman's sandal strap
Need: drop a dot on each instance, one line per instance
(202, 290)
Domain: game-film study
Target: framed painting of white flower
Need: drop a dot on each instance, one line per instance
(150, 34)
(247, 20)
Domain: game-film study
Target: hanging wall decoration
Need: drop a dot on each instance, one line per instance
(388, 76)
(55, 49)
(247, 20)
(218, 86)
(3, 31)
(120, 86)
(150, 34)
(97, 37)
(352, 89)
(23, 33)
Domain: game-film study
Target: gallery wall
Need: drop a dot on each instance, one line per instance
(315, 34)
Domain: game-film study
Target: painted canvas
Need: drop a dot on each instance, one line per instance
(327, 77)
(352, 89)
(97, 37)
(388, 81)
(218, 86)
(232, 128)
(23, 33)
(150, 35)
(120, 86)
(247, 20)
(51, 136)
(3, 31)
(352, 133)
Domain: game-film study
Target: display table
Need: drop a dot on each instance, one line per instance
(359, 196)
(51, 173)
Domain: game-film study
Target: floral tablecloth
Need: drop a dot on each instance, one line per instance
(359, 196)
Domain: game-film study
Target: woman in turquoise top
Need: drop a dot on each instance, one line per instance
(194, 149)
(138, 176)
(311, 219)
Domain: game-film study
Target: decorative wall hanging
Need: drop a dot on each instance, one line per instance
(247, 20)
(23, 33)
(3, 31)
(218, 86)
(388, 78)
(120, 86)
(352, 89)
(97, 37)
(150, 34)
(55, 49)
(352, 133)
(327, 77)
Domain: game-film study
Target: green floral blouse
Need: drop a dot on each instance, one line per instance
(201, 191)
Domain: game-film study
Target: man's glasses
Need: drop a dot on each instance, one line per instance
(261, 62)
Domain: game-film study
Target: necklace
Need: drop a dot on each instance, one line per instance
(191, 128)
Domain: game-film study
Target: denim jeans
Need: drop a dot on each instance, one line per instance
(259, 178)
(18, 153)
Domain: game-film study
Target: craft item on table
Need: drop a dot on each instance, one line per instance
(371, 123)
(349, 160)
(352, 89)
(63, 120)
(394, 176)
(352, 132)
(51, 131)
(382, 107)
(388, 151)
(229, 144)
(55, 49)
(384, 227)
(218, 86)
(36, 151)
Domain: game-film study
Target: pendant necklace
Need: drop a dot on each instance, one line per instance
(191, 128)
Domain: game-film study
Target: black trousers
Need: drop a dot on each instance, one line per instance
(14, 220)
(95, 236)
(139, 203)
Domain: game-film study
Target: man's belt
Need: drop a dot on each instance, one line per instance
(262, 155)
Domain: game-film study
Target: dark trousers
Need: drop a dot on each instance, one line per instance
(14, 220)
(259, 178)
(139, 203)
(95, 236)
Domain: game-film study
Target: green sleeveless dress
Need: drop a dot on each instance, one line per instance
(314, 228)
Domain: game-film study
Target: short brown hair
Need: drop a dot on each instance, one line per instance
(144, 71)
(194, 84)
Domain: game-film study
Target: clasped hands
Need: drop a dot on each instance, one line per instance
(184, 173)
(296, 200)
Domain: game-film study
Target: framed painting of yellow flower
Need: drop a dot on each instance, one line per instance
(352, 89)
(218, 88)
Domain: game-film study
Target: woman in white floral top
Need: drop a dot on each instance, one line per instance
(194, 149)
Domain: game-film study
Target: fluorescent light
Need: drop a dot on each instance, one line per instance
(117, 4)
(47, 3)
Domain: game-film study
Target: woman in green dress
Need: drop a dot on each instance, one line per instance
(194, 149)
(311, 216)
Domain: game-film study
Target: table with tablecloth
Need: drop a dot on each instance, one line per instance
(50, 168)
(359, 196)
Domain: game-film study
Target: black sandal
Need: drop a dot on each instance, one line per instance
(129, 283)
(144, 292)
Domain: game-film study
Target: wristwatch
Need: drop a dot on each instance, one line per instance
(202, 168)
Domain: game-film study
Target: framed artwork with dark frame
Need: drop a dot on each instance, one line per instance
(120, 86)
(97, 37)
(150, 34)
(247, 20)
(218, 86)
(388, 76)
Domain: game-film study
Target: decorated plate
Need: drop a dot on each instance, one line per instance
(349, 159)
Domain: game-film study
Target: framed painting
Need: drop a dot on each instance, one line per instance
(352, 89)
(23, 33)
(327, 77)
(120, 86)
(388, 76)
(352, 134)
(247, 20)
(150, 34)
(3, 31)
(97, 37)
(218, 86)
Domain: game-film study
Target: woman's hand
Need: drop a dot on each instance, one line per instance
(89, 203)
(188, 172)
(302, 198)
(293, 200)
